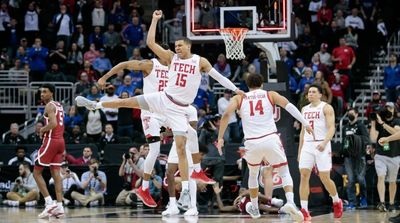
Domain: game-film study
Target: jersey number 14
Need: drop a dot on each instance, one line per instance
(258, 107)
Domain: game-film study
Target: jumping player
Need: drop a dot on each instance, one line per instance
(51, 152)
(316, 150)
(262, 141)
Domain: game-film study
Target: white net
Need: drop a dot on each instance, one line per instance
(233, 38)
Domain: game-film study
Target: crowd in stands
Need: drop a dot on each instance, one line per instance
(79, 41)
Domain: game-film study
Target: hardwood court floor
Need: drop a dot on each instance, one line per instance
(122, 215)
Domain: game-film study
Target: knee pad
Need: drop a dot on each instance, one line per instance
(253, 176)
(285, 175)
(152, 139)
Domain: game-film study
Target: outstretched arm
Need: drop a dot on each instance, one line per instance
(220, 204)
(233, 105)
(151, 39)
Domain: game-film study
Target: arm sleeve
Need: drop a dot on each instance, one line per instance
(222, 80)
(296, 113)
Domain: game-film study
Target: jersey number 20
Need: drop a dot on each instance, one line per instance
(258, 107)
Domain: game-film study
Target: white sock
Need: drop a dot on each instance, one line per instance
(59, 204)
(193, 193)
(289, 197)
(99, 105)
(48, 200)
(254, 202)
(145, 184)
(172, 201)
(197, 167)
(304, 205)
(335, 198)
(185, 185)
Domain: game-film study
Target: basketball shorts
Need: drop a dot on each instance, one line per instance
(50, 153)
(310, 156)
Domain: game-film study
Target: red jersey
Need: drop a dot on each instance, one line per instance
(345, 54)
(57, 132)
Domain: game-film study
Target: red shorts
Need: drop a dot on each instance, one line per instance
(50, 153)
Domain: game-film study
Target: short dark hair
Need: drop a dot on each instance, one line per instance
(254, 81)
(51, 87)
(355, 109)
(26, 165)
(317, 86)
(185, 40)
(20, 147)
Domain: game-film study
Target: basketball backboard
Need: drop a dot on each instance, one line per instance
(267, 20)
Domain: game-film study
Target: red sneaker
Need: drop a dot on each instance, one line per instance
(201, 176)
(338, 209)
(306, 214)
(145, 196)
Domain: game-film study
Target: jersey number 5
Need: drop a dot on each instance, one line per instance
(181, 80)
(258, 107)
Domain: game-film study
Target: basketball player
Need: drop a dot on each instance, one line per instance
(155, 78)
(316, 150)
(173, 161)
(51, 152)
(184, 80)
(262, 141)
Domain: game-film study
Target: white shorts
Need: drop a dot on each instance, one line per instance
(311, 156)
(176, 115)
(173, 156)
(267, 148)
(151, 123)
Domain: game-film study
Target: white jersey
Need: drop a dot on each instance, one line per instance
(185, 77)
(257, 113)
(316, 117)
(157, 78)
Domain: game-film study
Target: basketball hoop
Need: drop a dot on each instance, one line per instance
(233, 38)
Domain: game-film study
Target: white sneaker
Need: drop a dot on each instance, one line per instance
(252, 211)
(277, 202)
(84, 102)
(291, 209)
(47, 210)
(30, 203)
(171, 210)
(66, 202)
(94, 203)
(191, 212)
(5, 202)
(58, 212)
(184, 200)
(13, 203)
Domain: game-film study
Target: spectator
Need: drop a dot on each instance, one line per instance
(112, 41)
(201, 99)
(94, 184)
(354, 20)
(375, 105)
(72, 118)
(37, 60)
(99, 16)
(80, 38)
(118, 80)
(117, 15)
(102, 64)
(316, 65)
(338, 99)
(387, 156)
(15, 71)
(155, 184)
(97, 38)
(356, 139)
(20, 157)
(82, 13)
(34, 138)
(137, 81)
(232, 131)
(111, 113)
(382, 35)
(303, 100)
(70, 183)
(289, 46)
(87, 68)
(31, 26)
(132, 35)
(299, 27)
(63, 26)
(84, 85)
(76, 136)
(324, 56)
(4, 18)
(13, 137)
(326, 90)
(94, 122)
(22, 55)
(13, 34)
(131, 170)
(344, 57)
(91, 54)
(342, 5)
(125, 119)
(94, 94)
(262, 57)
(298, 69)
(339, 19)
(391, 79)
(333, 35)
(306, 42)
(81, 161)
(74, 60)
(55, 75)
(24, 190)
(136, 54)
(307, 78)
(351, 38)
(324, 17)
(127, 86)
(109, 137)
(58, 55)
(174, 30)
(289, 62)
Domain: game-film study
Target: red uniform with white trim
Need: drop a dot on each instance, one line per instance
(310, 155)
(260, 132)
(52, 150)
